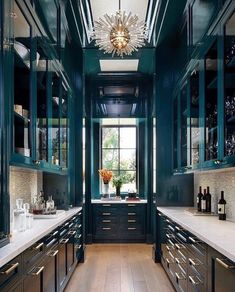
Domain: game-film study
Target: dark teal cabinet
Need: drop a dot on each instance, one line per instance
(40, 96)
(203, 119)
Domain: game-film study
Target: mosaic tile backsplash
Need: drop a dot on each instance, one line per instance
(24, 184)
(222, 180)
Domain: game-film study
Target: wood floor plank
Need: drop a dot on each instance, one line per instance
(119, 268)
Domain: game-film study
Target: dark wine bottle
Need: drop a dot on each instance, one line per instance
(199, 198)
(203, 201)
(208, 200)
(221, 207)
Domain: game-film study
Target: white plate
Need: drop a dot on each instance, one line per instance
(49, 216)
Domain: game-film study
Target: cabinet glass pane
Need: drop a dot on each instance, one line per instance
(211, 140)
(64, 126)
(110, 138)
(42, 116)
(202, 12)
(55, 121)
(194, 117)
(22, 83)
(175, 132)
(183, 125)
(229, 86)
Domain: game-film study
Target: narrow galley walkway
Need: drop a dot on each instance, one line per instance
(119, 268)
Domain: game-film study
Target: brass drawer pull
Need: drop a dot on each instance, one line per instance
(53, 234)
(194, 240)
(64, 241)
(78, 236)
(170, 227)
(191, 279)
(12, 268)
(106, 205)
(131, 221)
(106, 228)
(194, 262)
(106, 214)
(131, 228)
(179, 246)
(79, 214)
(178, 228)
(169, 247)
(38, 246)
(38, 271)
(226, 266)
(131, 205)
(78, 246)
(106, 221)
(170, 236)
(180, 277)
(70, 225)
(80, 225)
(53, 253)
(180, 261)
(72, 232)
(171, 255)
(131, 214)
(171, 243)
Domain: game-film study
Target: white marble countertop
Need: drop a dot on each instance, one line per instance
(97, 201)
(218, 234)
(20, 241)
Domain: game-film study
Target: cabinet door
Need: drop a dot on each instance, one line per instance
(71, 252)
(64, 126)
(42, 104)
(183, 126)
(62, 264)
(229, 87)
(211, 103)
(194, 117)
(50, 271)
(22, 118)
(33, 280)
(55, 119)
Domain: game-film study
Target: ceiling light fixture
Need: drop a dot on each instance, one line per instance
(119, 34)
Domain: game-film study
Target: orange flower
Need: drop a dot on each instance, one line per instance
(106, 175)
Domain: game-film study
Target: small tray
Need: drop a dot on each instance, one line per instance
(194, 212)
(49, 216)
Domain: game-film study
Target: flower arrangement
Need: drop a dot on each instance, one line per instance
(118, 181)
(106, 175)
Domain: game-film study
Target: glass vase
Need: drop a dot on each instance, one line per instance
(105, 190)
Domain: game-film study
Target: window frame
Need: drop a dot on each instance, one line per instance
(119, 170)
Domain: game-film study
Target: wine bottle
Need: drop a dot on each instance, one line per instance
(199, 198)
(221, 207)
(203, 201)
(208, 200)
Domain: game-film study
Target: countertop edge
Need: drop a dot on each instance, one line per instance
(17, 250)
(200, 236)
(98, 201)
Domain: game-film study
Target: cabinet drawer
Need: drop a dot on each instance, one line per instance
(10, 272)
(32, 254)
(198, 248)
(196, 265)
(196, 282)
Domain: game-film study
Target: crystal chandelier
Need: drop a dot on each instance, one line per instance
(120, 33)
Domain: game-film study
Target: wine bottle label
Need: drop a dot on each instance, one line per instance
(221, 208)
(197, 200)
(203, 204)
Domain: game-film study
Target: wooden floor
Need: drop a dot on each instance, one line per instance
(119, 268)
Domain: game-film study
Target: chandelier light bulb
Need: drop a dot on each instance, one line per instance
(119, 34)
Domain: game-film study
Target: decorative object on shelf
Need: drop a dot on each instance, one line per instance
(117, 183)
(106, 176)
(19, 217)
(120, 33)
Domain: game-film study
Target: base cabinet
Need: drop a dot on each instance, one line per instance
(119, 222)
(48, 264)
(190, 263)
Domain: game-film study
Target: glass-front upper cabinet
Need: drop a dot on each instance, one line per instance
(194, 117)
(42, 104)
(229, 86)
(55, 118)
(211, 103)
(22, 135)
(183, 125)
(64, 126)
(175, 132)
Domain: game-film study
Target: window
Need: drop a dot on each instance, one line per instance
(118, 153)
